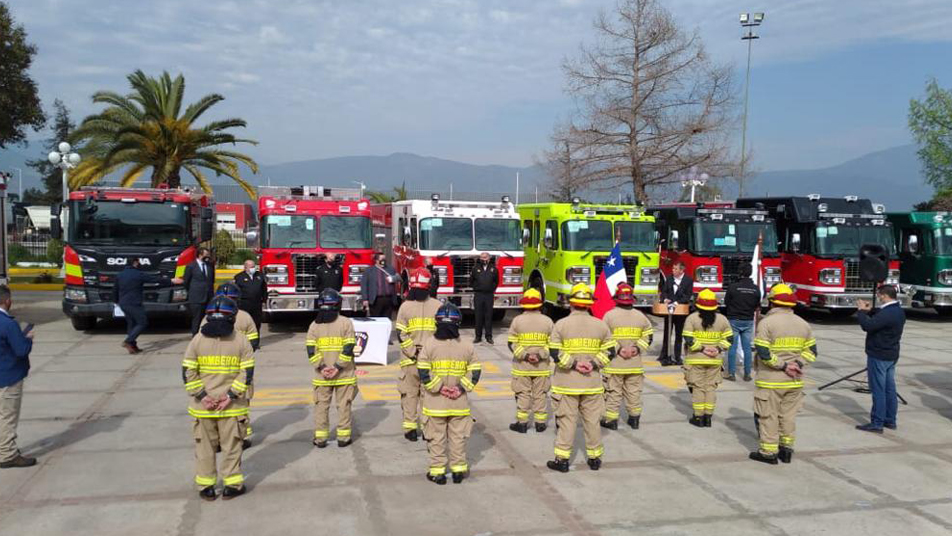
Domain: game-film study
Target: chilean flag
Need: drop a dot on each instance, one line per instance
(612, 273)
(756, 266)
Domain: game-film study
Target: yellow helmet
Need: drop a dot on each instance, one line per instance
(581, 295)
(782, 294)
(706, 300)
(531, 299)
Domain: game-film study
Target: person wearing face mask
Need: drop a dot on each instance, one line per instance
(253, 289)
(330, 274)
(378, 288)
(199, 281)
(485, 281)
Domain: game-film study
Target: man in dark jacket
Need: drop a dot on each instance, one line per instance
(330, 274)
(883, 331)
(199, 281)
(434, 278)
(15, 347)
(378, 288)
(676, 288)
(254, 291)
(485, 280)
(741, 302)
(127, 293)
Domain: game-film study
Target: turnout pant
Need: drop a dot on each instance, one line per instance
(10, 400)
(136, 321)
(775, 415)
(209, 434)
(623, 386)
(702, 381)
(323, 396)
(447, 434)
(409, 388)
(483, 305)
(568, 410)
(197, 311)
(678, 321)
(531, 394)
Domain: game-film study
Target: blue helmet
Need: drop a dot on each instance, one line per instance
(229, 289)
(221, 307)
(329, 300)
(449, 313)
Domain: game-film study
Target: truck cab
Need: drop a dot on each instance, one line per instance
(925, 242)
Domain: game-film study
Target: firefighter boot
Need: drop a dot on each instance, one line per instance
(540, 427)
(458, 477)
(697, 420)
(634, 421)
(230, 492)
(208, 493)
(757, 456)
(439, 480)
(785, 455)
(708, 421)
(411, 435)
(559, 464)
(320, 443)
(344, 442)
(594, 464)
(611, 425)
(521, 427)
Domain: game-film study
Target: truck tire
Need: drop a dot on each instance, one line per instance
(83, 323)
(944, 311)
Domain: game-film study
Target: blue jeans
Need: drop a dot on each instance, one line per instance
(882, 384)
(743, 334)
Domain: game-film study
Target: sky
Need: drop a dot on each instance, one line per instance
(480, 81)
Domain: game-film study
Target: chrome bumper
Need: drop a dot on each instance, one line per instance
(465, 301)
(930, 298)
(847, 300)
(289, 303)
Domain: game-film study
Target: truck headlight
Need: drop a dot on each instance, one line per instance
(276, 274)
(771, 276)
(355, 273)
(945, 277)
(831, 276)
(706, 274)
(179, 294)
(77, 295)
(893, 277)
(650, 276)
(578, 274)
(512, 275)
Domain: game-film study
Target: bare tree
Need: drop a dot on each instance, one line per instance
(651, 104)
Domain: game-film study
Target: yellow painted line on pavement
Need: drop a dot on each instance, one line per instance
(36, 286)
(373, 392)
(669, 380)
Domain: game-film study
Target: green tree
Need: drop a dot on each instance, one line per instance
(224, 246)
(148, 129)
(19, 101)
(52, 175)
(930, 121)
(399, 194)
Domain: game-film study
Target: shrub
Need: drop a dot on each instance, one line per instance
(224, 246)
(240, 256)
(54, 252)
(18, 253)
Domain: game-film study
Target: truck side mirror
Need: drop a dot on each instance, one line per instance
(912, 244)
(795, 242)
(56, 226)
(675, 238)
(251, 239)
(549, 241)
(526, 237)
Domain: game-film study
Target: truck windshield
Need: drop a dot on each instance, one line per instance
(114, 222)
(292, 232)
(448, 234)
(349, 232)
(498, 235)
(635, 235)
(721, 237)
(943, 240)
(847, 240)
(587, 235)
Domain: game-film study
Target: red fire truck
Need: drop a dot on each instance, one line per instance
(107, 227)
(820, 241)
(452, 234)
(714, 240)
(298, 226)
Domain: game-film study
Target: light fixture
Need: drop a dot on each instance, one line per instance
(758, 18)
(744, 17)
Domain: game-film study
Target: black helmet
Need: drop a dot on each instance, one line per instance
(329, 300)
(448, 313)
(221, 308)
(229, 289)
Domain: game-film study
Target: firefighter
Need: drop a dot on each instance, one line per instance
(531, 367)
(785, 345)
(218, 369)
(632, 333)
(415, 325)
(580, 344)
(330, 348)
(448, 369)
(707, 335)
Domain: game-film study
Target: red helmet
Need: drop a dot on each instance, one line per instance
(420, 278)
(624, 295)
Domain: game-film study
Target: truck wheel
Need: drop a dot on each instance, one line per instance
(498, 315)
(944, 311)
(83, 323)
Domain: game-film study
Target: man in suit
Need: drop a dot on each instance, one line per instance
(199, 281)
(883, 331)
(378, 288)
(677, 288)
(254, 291)
(127, 293)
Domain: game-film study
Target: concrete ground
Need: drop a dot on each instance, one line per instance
(114, 444)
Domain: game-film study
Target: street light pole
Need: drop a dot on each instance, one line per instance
(19, 183)
(66, 160)
(749, 23)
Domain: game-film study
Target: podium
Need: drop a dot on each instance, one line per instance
(372, 334)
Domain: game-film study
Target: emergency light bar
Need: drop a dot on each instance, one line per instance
(737, 211)
(593, 210)
(829, 215)
(310, 192)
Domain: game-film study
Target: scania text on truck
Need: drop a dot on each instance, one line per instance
(925, 239)
(451, 235)
(568, 243)
(298, 226)
(820, 241)
(103, 229)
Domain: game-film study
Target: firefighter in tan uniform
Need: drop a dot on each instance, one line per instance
(707, 335)
(218, 369)
(448, 369)
(632, 333)
(531, 368)
(580, 345)
(784, 345)
(244, 324)
(330, 348)
(415, 325)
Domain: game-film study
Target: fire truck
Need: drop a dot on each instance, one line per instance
(820, 241)
(298, 226)
(714, 240)
(451, 235)
(103, 229)
(925, 241)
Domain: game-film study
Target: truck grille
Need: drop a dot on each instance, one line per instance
(732, 266)
(853, 282)
(305, 270)
(631, 265)
(463, 272)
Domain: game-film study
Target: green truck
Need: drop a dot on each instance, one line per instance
(925, 239)
(568, 243)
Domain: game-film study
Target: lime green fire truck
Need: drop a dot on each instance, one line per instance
(568, 243)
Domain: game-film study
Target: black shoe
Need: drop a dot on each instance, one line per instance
(611, 425)
(458, 477)
(731, 378)
(344, 442)
(208, 494)
(697, 420)
(708, 420)
(521, 427)
(559, 464)
(634, 421)
(678, 361)
(439, 479)
(19, 461)
(230, 492)
(540, 427)
(490, 340)
(890, 426)
(320, 443)
(870, 427)
(666, 361)
(218, 449)
(785, 455)
(245, 444)
(758, 457)
(747, 377)
(594, 464)
(477, 340)
(411, 435)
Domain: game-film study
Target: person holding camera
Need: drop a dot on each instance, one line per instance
(883, 329)
(15, 347)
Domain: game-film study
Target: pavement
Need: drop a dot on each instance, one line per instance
(114, 444)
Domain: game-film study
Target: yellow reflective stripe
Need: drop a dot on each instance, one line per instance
(343, 432)
(531, 373)
(512, 338)
(406, 343)
(316, 357)
(74, 270)
(611, 415)
(423, 365)
(616, 370)
(239, 387)
(446, 412)
(643, 344)
(564, 360)
(461, 468)
(192, 385)
(222, 370)
(432, 383)
(405, 362)
(468, 385)
(252, 335)
(399, 326)
(206, 480)
(562, 453)
(608, 345)
(585, 391)
(603, 358)
(407, 425)
(437, 471)
(233, 480)
(769, 447)
(310, 342)
(349, 340)
(474, 366)
(793, 384)
(555, 345)
(189, 363)
(702, 361)
(335, 382)
(247, 364)
(321, 434)
(207, 414)
(786, 440)
(595, 453)
(344, 358)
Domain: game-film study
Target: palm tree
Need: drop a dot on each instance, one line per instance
(399, 194)
(147, 129)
